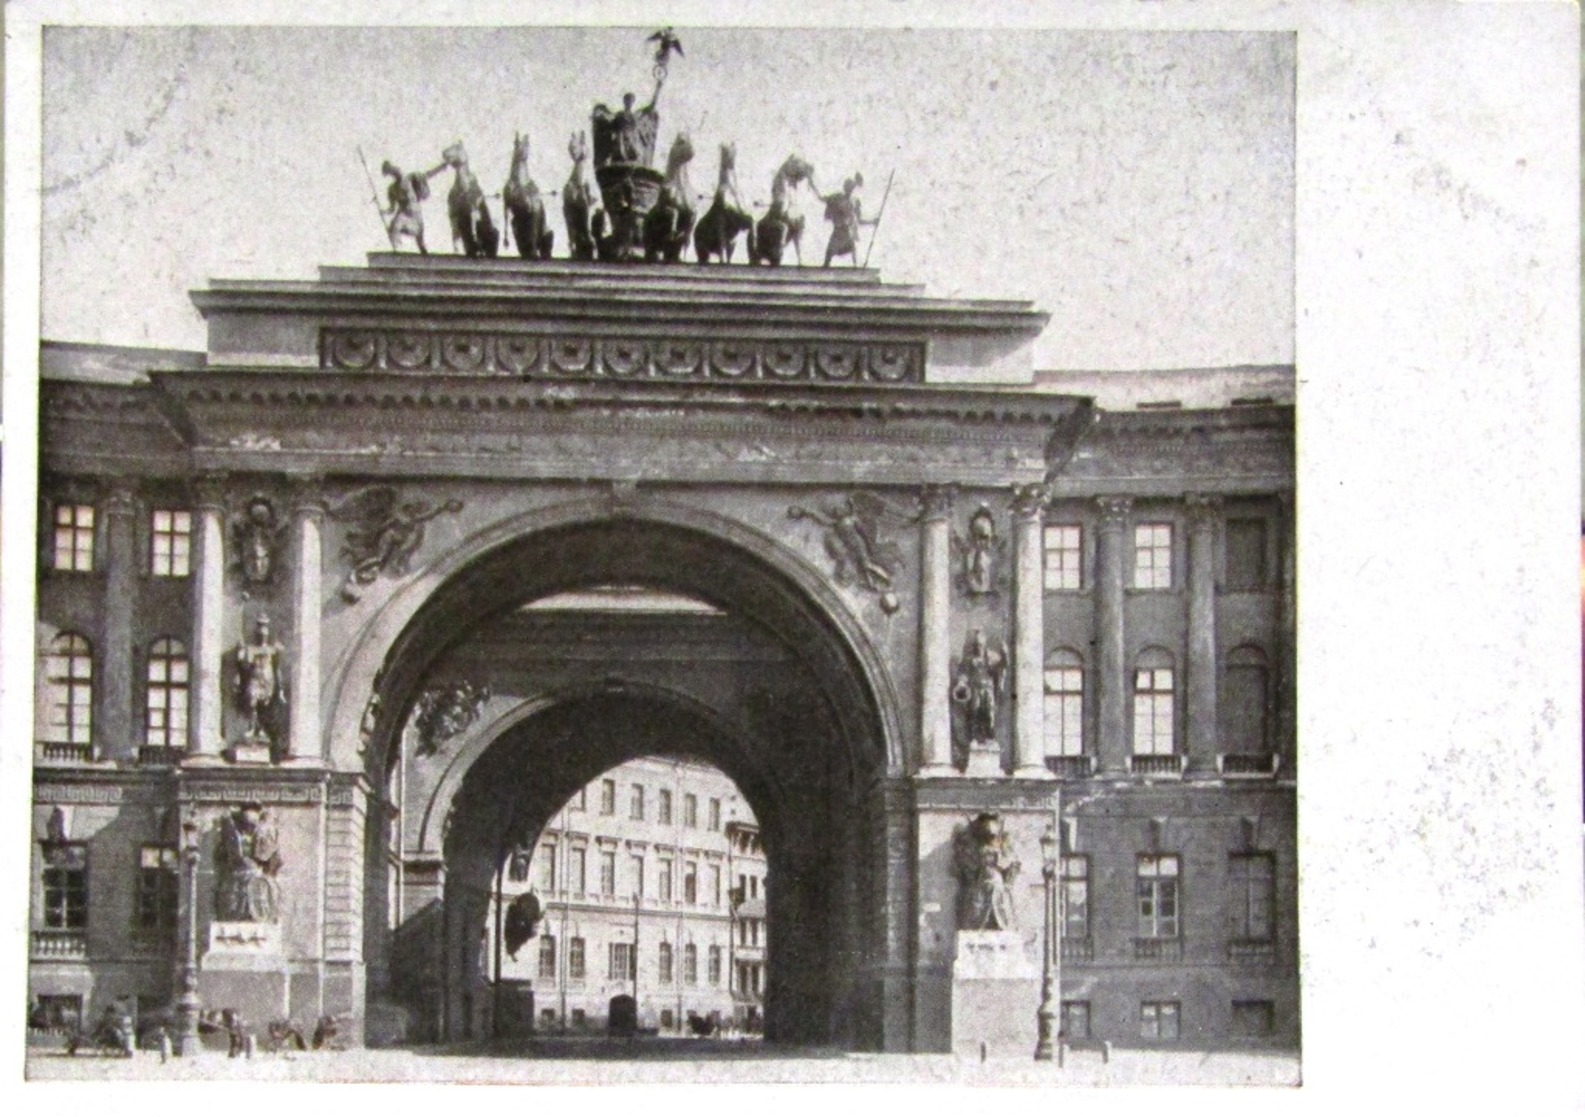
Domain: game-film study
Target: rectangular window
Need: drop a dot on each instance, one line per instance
(690, 882)
(1064, 711)
(165, 707)
(1075, 896)
(577, 870)
(1244, 708)
(1252, 1018)
(1153, 730)
(1251, 894)
(170, 543)
(74, 537)
(663, 811)
(1157, 892)
(1153, 557)
(1063, 556)
(1158, 1020)
(620, 964)
(1076, 1020)
(715, 965)
(158, 883)
(663, 955)
(58, 1012)
(636, 803)
(580, 801)
(607, 873)
(637, 874)
(715, 885)
(715, 814)
(547, 867)
(1246, 555)
(663, 879)
(579, 1016)
(547, 956)
(607, 796)
(690, 811)
(575, 963)
(690, 964)
(66, 887)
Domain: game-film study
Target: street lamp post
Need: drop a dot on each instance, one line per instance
(1045, 1016)
(187, 1003)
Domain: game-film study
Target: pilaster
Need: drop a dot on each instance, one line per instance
(1029, 634)
(1204, 516)
(935, 632)
(1111, 681)
(115, 722)
(305, 738)
(209, 596)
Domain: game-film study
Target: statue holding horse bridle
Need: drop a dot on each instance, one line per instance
(525, 207)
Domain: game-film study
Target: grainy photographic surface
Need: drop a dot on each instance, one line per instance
(666, 553)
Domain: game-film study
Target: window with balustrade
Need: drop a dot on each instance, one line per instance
(1152, 556)
(72, 540)
(1156, 889)
(170, 543)
(69, 690)
(65, 882)
(1064, 556)
(1154, 723)
(1245, 700)
(165, 713)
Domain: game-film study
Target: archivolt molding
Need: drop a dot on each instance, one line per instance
(354, 675)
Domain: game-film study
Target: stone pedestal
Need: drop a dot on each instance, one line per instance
(249, 750)
(985, 760)
(244, 968)
(995, 992)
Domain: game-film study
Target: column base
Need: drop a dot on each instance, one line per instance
(1034, 772)
(203, 760)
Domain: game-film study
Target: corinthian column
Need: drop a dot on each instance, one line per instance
(935, 635)
(1111, 672)
(1029, 635)
(204, 740)
(305, 736)
(116, 724)
(1204, 512)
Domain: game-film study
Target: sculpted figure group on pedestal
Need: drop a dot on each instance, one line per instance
(643, 214)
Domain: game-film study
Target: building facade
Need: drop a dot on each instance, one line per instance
(300, 694)
(643, 879)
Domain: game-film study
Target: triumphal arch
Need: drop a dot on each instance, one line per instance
(978, 651)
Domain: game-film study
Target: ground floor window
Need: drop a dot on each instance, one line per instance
(56, 1012)
(1076, 1019)
(66, 886)
(1158, 1020)
(1252, 1018)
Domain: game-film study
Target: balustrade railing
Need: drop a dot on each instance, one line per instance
(1168, 766)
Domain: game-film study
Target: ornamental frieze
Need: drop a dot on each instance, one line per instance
(580, 357)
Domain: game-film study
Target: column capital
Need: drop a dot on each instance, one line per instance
(306, 494)
(1114, 511)
(1203, 509)
(121, 500)
(935, 502)
(209, 492)
(1029, 501)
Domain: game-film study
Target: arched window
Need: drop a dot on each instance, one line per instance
(165, 722)
(1064, 708)
(1245, 699)
(69, 696)
(1153, 703)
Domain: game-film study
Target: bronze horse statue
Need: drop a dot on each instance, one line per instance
(577, 202)
(471, 227)
(779, 227)
(716, 234)
(669, 223)
(525, 208)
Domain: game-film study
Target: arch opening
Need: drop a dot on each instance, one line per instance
(736, 668)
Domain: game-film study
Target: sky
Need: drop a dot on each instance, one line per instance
(1139, 186)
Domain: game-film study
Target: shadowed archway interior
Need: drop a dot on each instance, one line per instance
(794, 725)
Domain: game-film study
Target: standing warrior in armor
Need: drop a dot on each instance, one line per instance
(845, 215)
(404, 217)
(259, 678)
